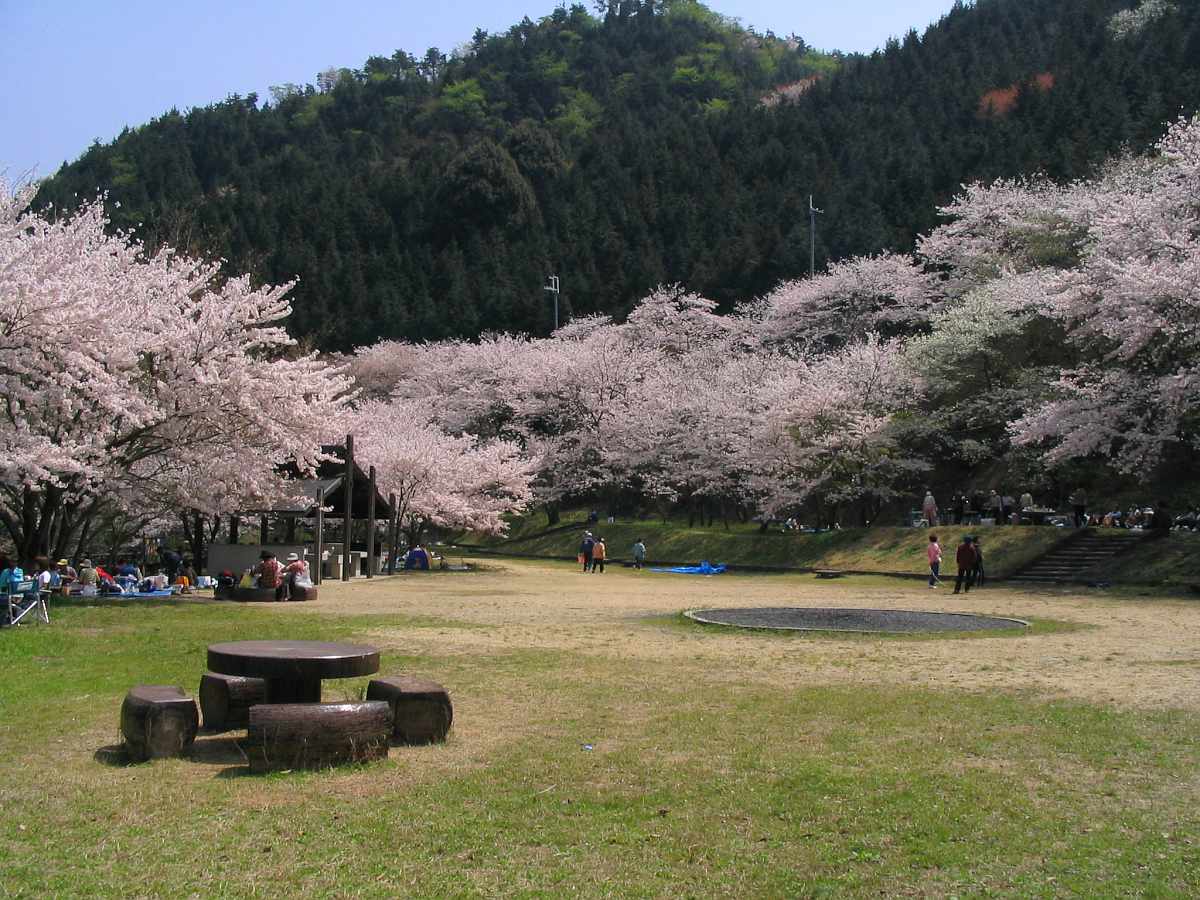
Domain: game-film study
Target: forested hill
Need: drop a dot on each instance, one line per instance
(427, 198)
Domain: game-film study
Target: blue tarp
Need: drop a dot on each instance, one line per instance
(703, 569)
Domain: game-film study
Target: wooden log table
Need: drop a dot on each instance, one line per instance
(293, 669)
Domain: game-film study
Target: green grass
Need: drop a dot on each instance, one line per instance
(884, 550)
(699, 782)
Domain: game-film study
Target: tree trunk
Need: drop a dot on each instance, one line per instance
(552, 514)
(84, 533)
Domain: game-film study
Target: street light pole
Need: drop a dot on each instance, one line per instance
(552, 287)
(812, 236)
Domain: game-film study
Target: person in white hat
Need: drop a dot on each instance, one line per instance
(295, 568)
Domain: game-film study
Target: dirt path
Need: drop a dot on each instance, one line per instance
(1135, 651)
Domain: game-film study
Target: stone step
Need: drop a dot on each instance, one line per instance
(1069, 563)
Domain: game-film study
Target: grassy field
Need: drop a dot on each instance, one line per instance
(602, 747)
(883, 550)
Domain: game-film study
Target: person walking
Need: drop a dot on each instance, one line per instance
(585, 550)
(965, 558)
(599, 553)
(934, 553)
(977, 572)
(639, 554)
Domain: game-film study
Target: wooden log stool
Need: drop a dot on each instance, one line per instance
(245, 595)
(225, 700)
(157, 721)
(316, 735)
(421, 709)
(302, 594)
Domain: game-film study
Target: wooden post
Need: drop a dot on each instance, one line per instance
(264, 529)
(392, 524)
(320, 535)
(291, 530)
(349, 528)
(371, 526)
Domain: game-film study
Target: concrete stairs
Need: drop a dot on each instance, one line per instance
(1068, 562)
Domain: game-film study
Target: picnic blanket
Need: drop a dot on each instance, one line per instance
(705, 568)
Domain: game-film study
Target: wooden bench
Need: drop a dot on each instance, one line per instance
(157, 721)
(421, 709)
(316, 735)
(828, 573)
(225, 700)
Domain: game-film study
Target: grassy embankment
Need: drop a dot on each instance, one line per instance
(879, 550)
(1172, 562)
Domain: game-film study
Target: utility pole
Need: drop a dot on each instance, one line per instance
(552, 287)
(812, 236)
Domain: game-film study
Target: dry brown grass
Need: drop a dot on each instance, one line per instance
(1132, 651)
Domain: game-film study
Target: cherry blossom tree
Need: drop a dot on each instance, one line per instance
(1113, 264)
(439, 479)
(890, 295)
(826, 434)
(118, 366)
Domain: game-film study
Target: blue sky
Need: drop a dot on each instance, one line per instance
(76, 71)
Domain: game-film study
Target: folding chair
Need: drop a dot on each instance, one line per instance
(23, 599)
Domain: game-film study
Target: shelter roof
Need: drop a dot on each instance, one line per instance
(331, 475)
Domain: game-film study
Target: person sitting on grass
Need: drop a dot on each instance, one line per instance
(89, 578)
(66, 572)
(106, 583)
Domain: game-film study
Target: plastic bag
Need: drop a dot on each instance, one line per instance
(247, 581)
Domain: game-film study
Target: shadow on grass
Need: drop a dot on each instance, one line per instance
(113, 755)
(118, 602)
(217, 749)
(211, 749)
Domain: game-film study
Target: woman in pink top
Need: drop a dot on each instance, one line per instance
(935, 560)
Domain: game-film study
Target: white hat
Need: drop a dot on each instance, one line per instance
(292, 557)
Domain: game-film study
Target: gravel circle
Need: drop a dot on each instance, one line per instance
(876, 621)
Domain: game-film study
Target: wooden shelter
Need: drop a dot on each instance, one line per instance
(350, 494)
